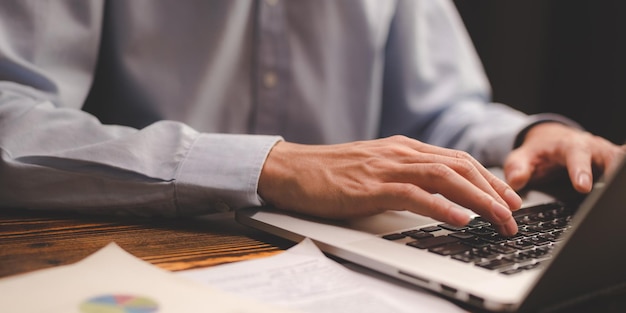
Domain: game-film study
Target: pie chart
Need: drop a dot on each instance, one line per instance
(116, 303)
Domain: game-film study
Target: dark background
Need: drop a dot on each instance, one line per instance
(565, 56)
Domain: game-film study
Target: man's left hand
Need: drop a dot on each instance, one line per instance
(550, 146)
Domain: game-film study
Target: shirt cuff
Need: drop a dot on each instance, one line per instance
(221, 173)
(539, 119)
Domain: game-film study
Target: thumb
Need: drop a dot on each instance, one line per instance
(518, 169)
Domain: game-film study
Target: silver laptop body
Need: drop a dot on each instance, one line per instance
(588, 259)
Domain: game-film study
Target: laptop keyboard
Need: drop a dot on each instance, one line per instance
(540, 229)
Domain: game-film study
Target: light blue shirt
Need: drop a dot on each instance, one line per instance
(192, 95)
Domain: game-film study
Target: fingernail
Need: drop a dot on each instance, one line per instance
(501, 212)
(513, 199)
(584, 180)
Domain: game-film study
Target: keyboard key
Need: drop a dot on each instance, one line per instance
(560, 222)
(527, 230)
(430, 228)
(558, 234)
(502, 249)
(421, 235)
(484, 253)
(480, 231)
(520, 245)
(450, 249)
(409, 232)
(512, 271)
(495, 238)
(519, 258)
(427, 243)
(478, 222)
(461, 235)
(496, 264)
(538, 253)
(527, 220)
(539, 241)
(452, 227)
(552, 206)
(549, 236)
(465, 257)
(543, 226)
(417, 234)
(476, 242)
(530, 266)
(394, 236)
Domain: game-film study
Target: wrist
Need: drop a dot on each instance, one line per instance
(533, 128)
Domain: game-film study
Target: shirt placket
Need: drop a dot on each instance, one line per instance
(271, 69)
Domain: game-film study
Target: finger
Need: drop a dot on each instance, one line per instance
(470, 170)
(578, 164)
(489, 183)
(615, 161)
(408, 197)
(513, 200)
(399, 196)
(518, 168)
(443, 180)
(503, 191)
(613, 158)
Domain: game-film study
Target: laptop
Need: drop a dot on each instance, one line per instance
(563, 253)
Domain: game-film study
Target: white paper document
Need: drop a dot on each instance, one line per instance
(113, 281)
(303, 278)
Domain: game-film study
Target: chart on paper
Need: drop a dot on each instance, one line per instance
(119, 304)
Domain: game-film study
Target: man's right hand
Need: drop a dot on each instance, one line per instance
(396, 173)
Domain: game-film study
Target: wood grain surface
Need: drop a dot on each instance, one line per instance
(31, 240)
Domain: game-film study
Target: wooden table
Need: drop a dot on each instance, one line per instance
(32, 240)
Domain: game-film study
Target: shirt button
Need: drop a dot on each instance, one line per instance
(270, 79)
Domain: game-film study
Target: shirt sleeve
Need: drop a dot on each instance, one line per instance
(436, 90)
(55, 156)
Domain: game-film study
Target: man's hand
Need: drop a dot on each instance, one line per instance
(549, 147)
(396, 173)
